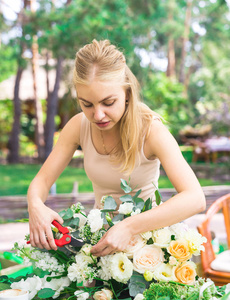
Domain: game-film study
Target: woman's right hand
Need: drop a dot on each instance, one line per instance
(40, 219)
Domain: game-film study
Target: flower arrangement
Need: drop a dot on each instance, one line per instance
(155, 263)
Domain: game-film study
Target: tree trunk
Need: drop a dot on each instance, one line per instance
(185, 40)
(52, 110)
(13, 144)
(39, 129)
(171, 59)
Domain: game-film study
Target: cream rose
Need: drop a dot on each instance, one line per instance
(147, 258)
(180, 250)
(186, 272)
(136, 243)
(104, 294)
(162, 237)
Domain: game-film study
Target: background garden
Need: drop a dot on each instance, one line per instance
(179, 50)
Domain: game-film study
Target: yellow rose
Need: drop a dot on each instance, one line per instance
(180, 250)
(186, 272)
(147, 258)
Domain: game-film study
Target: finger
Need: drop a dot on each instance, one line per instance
(50, 240)
(36, 241)
(59, 219)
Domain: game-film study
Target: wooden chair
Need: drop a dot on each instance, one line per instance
(208, 256)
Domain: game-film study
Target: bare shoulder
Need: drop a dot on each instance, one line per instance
(160, 140)
(71, 130)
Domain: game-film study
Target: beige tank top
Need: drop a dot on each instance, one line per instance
(106, 179)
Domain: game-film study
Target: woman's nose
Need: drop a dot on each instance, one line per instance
(98, 114)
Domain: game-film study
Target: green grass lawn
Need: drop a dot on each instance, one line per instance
(15, 179)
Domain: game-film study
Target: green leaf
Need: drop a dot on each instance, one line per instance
(76, 221)
(110, 204)
(62, 213)
(137, 284)
(68, 214)
(126, 198)
(4, 286)
(137, 194)
(148, 204)
(46, 293)
(158, 197)
(67, 222)
(118, 217)
(125, 187)
(226, 297)
(139, 203)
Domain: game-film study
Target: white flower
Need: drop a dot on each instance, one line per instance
(173, 261)
(31, 284)
(104, 264)
(126, 208)
(179, 230)
(195, 241)
(80, 270)
(147, 235)
(46, 262)
(165, 272)
(81, 295)
(121, 267)
(136, 212)
(82, 219)
(94, 219)
(137, 242)
(162, 237)
(227, 289)
(104, 294)
(147, 258)
(56, 284)
(139, 297)
(86, 248)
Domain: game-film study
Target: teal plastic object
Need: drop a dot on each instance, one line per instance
(12, 257)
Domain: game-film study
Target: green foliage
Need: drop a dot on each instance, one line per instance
(8, 62)
(165, 96)
(6, 121)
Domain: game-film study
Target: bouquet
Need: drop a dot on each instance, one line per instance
(155, 264)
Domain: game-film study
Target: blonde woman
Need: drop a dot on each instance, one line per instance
(121, 138)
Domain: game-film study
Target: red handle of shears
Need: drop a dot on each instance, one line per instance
(65, 239)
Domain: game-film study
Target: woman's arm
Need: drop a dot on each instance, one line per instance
(189, 200)
(40, 216)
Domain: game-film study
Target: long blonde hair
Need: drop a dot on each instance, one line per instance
(105, 62)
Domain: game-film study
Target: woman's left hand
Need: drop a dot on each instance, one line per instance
(116, 239)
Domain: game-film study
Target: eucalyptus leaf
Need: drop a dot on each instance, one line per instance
(139, 203)
(109, 205)
(126, 198)
(148, 204)
(68, 214)
(137, 284)
(125, 187)
(67, 222)
(158, 197)
(76, 221)
(118, 217)
(62, 213)
(4, 286)
(46, 293)
(137, 194)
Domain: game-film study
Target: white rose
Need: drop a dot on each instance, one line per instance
(94, 219)
(147, 235)
(162, 237)
(136, 212)
(126, 208)
(147, 258)
(81, 295)
(136, 243)
(139, 297)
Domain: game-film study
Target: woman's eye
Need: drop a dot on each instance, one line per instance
(86, 104)
(109, 103)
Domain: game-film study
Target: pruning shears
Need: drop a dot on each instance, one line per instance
(67, 238)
